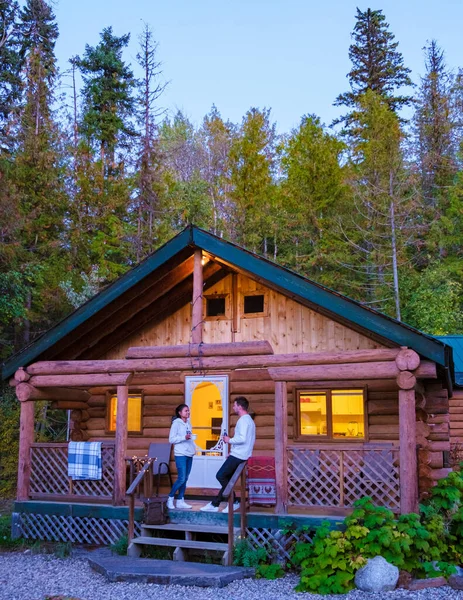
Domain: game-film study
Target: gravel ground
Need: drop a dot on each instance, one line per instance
(34, 577)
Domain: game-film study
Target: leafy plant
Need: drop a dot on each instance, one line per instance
(419, 544)
(245, 555)
(120, 546)
(6, 542)
(274, 571)
(63, 550)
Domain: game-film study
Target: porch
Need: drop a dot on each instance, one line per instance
(325, 479)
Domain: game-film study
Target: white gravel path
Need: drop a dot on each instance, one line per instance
(34, 577)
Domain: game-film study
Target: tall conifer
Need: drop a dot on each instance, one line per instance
(377, 65)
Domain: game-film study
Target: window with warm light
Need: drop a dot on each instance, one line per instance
(331, 414)
(134, 420)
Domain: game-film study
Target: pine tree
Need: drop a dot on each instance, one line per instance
(10, 69)
(252, 167)
(435, 128)
(109, 102)
(315, 194)
(38, 169)
(149, 162)
(216, 137)
(185, 197)
(377, 65)
(386, 218)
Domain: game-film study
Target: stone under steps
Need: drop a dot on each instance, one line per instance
(149, 537)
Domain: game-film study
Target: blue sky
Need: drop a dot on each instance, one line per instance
(287, 55)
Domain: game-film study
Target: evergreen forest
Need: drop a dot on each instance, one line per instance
(94, 180)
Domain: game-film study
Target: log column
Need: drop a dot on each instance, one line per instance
(121, 444)
(407, 434)
(281, 446)
(26, 438)
(197, 303)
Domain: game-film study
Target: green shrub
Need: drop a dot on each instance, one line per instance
(414, 543)
(120, 546)
(245, 555)
(6, 543)
(274, 571)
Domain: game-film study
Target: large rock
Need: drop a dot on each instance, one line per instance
(377, 576)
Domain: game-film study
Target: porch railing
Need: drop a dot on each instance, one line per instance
(331, 476)
(49, 474)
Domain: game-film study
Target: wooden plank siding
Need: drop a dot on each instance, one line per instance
(287, 325)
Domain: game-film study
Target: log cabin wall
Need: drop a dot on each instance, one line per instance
(290, 327)
(456, 421)
(433, 434)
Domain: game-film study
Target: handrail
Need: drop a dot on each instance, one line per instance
(228, 493)
(131, 494)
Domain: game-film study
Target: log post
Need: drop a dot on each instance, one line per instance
(26, 438)
(197, 302)
(121, 444)
(281, 446)
(408, 463)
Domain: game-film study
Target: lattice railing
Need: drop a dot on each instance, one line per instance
(78, 530)
(278, 542)
(49, 468)
(338, 477)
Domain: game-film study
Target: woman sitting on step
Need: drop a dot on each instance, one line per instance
(184, 450)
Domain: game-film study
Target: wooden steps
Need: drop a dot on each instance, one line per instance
(155, 541)
(149, 537)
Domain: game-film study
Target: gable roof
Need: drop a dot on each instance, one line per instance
(456, 341)
(233, 257)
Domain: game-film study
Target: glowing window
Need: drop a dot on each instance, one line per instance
(331, 414)
(134, 414)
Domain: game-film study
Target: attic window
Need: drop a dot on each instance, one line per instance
(254, 304)
(215, 306)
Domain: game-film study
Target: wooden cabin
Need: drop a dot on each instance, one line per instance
(348, 402)
(456, 400)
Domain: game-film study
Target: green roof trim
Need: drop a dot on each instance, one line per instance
(456, 341)
(288, 281)
(92, 306)
(353, 311)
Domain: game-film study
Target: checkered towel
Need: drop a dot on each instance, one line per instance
(84, 460)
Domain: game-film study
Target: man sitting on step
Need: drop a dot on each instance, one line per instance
(242, 444)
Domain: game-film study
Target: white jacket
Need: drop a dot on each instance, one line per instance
(243, 440)
(178, 431)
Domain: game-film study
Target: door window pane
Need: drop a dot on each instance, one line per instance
(312, 409)
(206, 414)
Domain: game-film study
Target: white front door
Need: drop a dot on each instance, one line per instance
(207, 398)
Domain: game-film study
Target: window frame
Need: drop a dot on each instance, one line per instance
(253, 315)
(131, 433)
(226, 316)
(328, 438)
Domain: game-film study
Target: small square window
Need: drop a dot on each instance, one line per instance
(134, 414)
(215, 307)
(254, 304)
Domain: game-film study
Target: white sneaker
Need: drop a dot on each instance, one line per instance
(235, 507)
(209, 508)
(182, 504)
(170, 503)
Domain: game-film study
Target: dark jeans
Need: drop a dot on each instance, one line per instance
(184, 464)
(224, 474)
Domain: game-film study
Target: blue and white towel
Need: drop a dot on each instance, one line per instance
(84, 460)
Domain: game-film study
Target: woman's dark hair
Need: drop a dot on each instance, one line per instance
(178, 410)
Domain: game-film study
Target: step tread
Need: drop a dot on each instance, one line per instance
(150, 541)
(191, 527)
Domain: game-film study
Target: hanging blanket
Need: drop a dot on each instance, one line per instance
(261, 480)
(84, 460)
